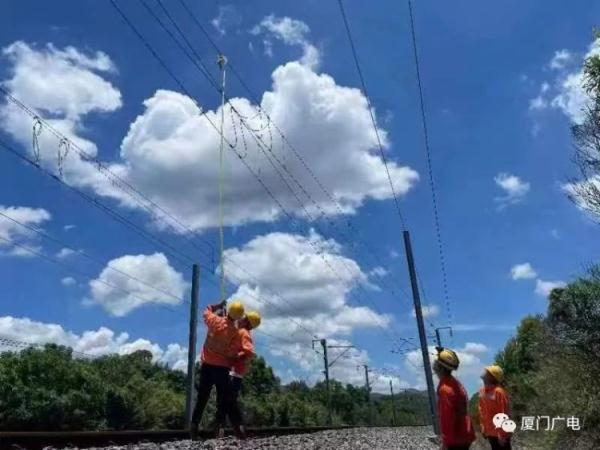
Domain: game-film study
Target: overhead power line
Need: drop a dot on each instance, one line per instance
(137, 229)
(91, 258)
(374, 123)
(364, 89)
(72, 269)
(174, 252)
(351, 240)
(436, 214)
(269, 155)
(9, 342)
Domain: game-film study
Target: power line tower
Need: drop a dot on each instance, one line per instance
(393, 405)
(438, 339)
(327, 365)
(368, 386)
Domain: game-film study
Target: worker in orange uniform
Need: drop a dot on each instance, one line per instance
(242, 363)
(218, 356)
(493, 399)
(455, 423)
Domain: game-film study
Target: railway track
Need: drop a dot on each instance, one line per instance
(38, 440)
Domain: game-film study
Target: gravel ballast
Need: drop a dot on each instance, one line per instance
(409, 438)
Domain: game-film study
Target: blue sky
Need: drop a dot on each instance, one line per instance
(482, 70)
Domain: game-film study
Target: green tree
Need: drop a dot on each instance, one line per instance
(585, 191)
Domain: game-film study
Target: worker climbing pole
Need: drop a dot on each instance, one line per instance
(222, 62)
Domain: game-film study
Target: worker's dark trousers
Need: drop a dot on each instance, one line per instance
(497, 446)
(219, 377)
(235, 387)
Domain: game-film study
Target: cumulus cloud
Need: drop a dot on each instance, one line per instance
(62, 86)
(522, 272)
(102, 341)
(566, 92)
(543, 288)
(514, 189)
(293, 286)
(309, 272)
(291, 32)
(12, 234)
(119, 295)
(169, 150)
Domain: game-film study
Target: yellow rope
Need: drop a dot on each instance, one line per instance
(222, 61)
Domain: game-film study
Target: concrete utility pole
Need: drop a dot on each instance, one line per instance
(437, 334)
(421, 327)
(323, 343)
(328, 365)
(393, 405)
(368, 385)
(189, 394)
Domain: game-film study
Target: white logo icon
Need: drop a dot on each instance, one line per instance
(502, 420)
(509, 426)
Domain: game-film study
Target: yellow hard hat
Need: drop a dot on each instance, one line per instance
(496, 371)
(254, 319)
(448, 358)
(236, 310)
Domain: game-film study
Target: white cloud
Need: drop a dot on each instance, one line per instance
(428, 311)
(65, 253)
(12, 234)
(514, 189)
(291, 32)
(170, 148)
(394, 254)
(68, 281)
(309, 272)
(62, 86)
(227, 17)
(522, 272)
(300, 296)
(102, 341)
(560, 58)
(120, 295)
(69, 227)
(543, 288)
(566, 92)
(378, 272)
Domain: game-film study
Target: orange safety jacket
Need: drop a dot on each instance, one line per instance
(245, 353)
(220, 346)
(492, 400)
(455, 424)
